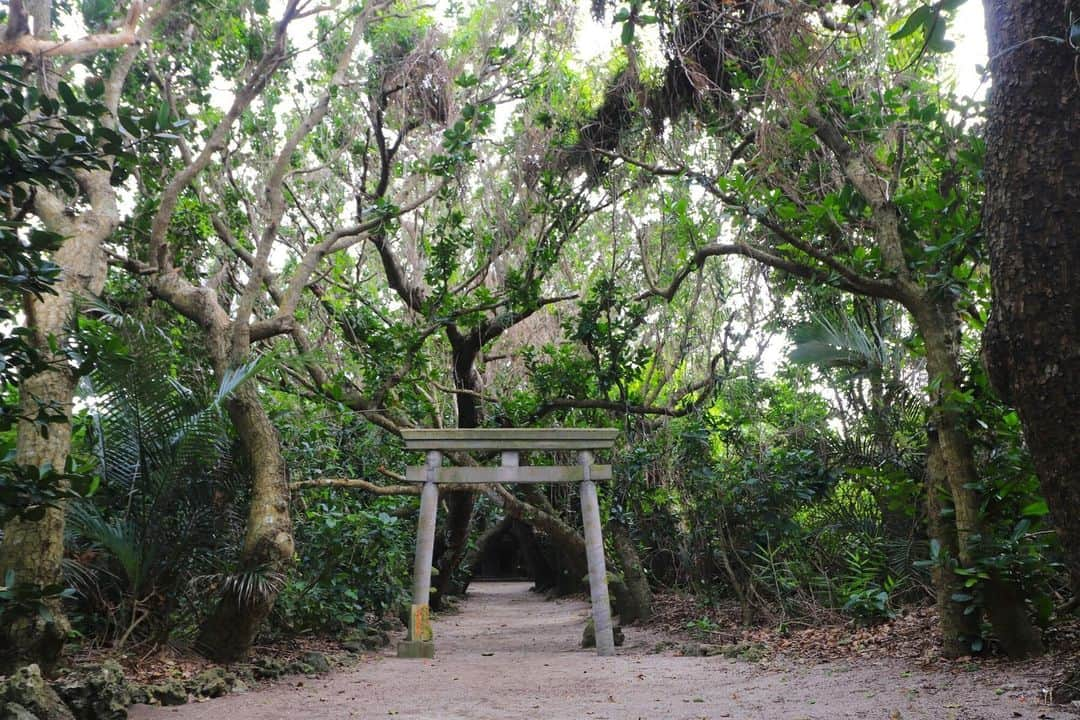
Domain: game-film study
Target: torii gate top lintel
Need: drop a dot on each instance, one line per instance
(510, 441)
(523, 439)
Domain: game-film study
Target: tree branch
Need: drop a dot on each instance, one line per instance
(858, 170)
(356, 484)
(15, 37)
(257, 80)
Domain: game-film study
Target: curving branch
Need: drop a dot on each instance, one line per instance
(872, 185)
(834, 273)
(16, 38)
(677, 408)
(553, 404)
(275, 208)
(257, 80)
(847, 281)
(535, 517)
(357, 484)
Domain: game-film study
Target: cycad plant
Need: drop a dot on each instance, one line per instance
(881, 455)
(168, 497)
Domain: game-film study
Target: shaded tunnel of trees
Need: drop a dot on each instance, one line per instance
(828, 301)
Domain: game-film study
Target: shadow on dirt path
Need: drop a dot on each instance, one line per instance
(510, 654)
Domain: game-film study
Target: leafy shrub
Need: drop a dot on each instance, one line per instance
(354, 559)
(868, 588)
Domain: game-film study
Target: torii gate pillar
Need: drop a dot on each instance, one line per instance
(594, 553)
(419, 642)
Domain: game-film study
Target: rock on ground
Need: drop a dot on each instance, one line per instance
(98, 693)
(26, 693)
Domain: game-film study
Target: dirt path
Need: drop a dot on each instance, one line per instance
(510, 654)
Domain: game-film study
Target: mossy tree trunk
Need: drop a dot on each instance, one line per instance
(637, 604)
(958, 627)
(1003, 600)
(34, 549)
(267, 554)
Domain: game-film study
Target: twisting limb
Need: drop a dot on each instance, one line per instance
(257, 80)
(357, 484)
(16, 39)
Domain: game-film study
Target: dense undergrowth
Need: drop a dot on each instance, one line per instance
(758, 500)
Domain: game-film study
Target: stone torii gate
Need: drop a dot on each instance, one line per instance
(510, 442)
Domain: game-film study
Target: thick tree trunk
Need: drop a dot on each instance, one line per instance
(958, 629)
(458, 521)
(477, 556)
(247, 599)
(567, 543)
(1005, 607)
(1032, 220)
(637, 605)
(535, 562)
(34, 549)
(459, 505)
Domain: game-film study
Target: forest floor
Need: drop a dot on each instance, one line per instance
(510, 654)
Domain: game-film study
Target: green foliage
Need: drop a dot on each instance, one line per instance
(868, 587)
(46, 140)
(27, 490)
(761, 499)
(21, 600)
(794, 492)
(169, 493)
(928, 20)
(354, 563)
(397, 33)
(703, 627)
(1017, 543)
(607, 325)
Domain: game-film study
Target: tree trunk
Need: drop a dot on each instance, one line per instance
(1005, 607)
(474, 559)
(459, 505)
(1032, 217)
(568, 549)
(458, 521)
(958, 629)
(567, 543)
(35, 549)
(249, 595)
(535, 562)
(637, 605)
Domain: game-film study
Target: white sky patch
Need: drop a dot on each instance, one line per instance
(968, 31)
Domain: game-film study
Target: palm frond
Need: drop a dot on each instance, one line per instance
(837, 343)
(170, 496)
(252, 587)
(116, 536)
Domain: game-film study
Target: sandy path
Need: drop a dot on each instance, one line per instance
(510, 654)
